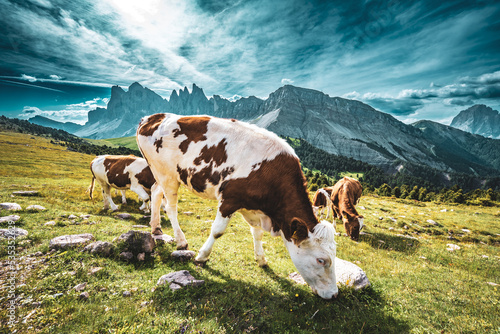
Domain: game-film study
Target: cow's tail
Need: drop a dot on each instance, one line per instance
(90, 190)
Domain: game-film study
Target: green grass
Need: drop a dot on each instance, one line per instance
(128, 142)
(417, 285)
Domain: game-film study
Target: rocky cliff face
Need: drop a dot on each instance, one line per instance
(339, 126)
(479, 119)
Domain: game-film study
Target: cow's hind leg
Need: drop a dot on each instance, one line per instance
(124, 198)
(108, 201)
(218, 227)
(156, 198)
(170, 192)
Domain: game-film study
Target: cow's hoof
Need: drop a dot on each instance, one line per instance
(182, 247)
(157, 231)
(200, 263)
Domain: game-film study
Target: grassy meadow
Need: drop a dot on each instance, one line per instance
(418, 286)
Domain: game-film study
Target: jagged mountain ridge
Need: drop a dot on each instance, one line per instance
(66, 126)
(337, 125)
(479, 119)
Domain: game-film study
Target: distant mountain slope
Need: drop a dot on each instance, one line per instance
(479, 119)
(338, 126)
(462, 151)
(44, 121)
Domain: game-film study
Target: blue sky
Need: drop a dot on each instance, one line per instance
(415, 60)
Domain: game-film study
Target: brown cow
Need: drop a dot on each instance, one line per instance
(322, 200)
(246, 169)
(345, 196)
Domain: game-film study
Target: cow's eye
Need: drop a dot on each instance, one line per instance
(321, 262)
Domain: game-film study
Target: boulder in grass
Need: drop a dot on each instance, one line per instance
(103, 248)
(12, 232)
(124, 216)
(70, 241)
(10, 206)
(347, 273)
(35, 208)
(163, 239)
(136, 242)
(179, 279)
(183, 255)
(11, 218)
(25, 193)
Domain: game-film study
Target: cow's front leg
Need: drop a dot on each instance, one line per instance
(218, 227)
(142, 193)
(257, 234)
(171, 209)
(124, 198)
(108, 201)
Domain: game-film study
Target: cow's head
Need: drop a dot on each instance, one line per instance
(313, 254)
(352, 224)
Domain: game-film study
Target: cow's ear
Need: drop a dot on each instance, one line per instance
(298, 230)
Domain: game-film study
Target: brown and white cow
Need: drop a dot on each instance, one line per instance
(247, 169)
(322, 200)
(345, 195)
(122, 172)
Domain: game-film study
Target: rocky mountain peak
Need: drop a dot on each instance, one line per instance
(478, 119)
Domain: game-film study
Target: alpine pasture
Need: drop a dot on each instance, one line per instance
(417, 285)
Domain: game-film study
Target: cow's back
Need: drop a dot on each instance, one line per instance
(202, 152)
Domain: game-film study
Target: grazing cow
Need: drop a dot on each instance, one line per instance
(246, 169)
(122, 172)
(322, 200)
(345, 196)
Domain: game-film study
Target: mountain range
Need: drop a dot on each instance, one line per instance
(479, 119)
(337, 125)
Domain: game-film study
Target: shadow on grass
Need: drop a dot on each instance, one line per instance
(240, 307)
(397, 243)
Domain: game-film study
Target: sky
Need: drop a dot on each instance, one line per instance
(413, 59)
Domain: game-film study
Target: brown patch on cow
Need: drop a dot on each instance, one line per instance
(346, 193)
(233, 120)
(319, 198)
(115, 170)
(151, 125)
(194, 128)
(146, 178)
(277, 188)
(218, 235)
(216, 153)
(159, 144)
(198, 180)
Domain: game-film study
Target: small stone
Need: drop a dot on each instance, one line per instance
(391, 228)
(466, 230)
(124, 216)
(85, 216)
(50, 223)
(492, 283)
(10, 206)
(84, 296)
(198, 217)
(126, 256)
(432, 222)
(163, 239)
(452, 247)
(188, 213)
(180, 279)
(444, 210)
(11, 218)
(57, 295)
(25, 193)
(94, 270)
(14, 232)
(144, 304)
(183, 255)
(137, 241)
(80, 287)
(36, 304)
(70, 241)
(127, 294)
(38, 253)
(35, 208)
(141, 256)
(72, 217)
(102, 248)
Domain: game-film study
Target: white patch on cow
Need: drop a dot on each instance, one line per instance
(360, 220)
(314, 259)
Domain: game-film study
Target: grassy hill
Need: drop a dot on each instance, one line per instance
(417, 285)
(128, 142)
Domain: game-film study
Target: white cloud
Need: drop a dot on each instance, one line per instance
(28, 78)
(55, 77)
(285, 81)
(76, 113)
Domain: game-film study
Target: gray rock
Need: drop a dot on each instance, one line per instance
(136, 242)
(85, 216)
(102, 248)
(50, 223)
(127, 294)
(452, 247)
(179, 279)
(94, 270)
(84, 296)
(35, 208)
(141, 256)
(70, 241)
(183, 255)
(80, 287)
(347, 274)
(126, 256)
(72, 217)
(10, 206)
(26, 193)
(38, 253)
(124, 216)
(432, 222)
(163, 239)
(14, 232)
(11, 218)
(57, 295)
